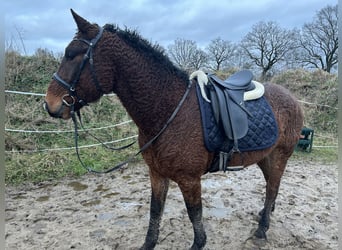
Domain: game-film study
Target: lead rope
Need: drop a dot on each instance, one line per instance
(142, 149)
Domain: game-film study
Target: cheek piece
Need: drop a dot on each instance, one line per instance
(71, 87)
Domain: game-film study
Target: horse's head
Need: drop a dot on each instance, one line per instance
(84, 74)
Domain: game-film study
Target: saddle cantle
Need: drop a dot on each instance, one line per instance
(241, 80)
(230, 122)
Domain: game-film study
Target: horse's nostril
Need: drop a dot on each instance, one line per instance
(55, 114)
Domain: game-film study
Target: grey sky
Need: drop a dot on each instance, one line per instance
(49, 24)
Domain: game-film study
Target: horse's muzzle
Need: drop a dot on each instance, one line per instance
(57, 114)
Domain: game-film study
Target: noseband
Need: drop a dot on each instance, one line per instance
(71, 87)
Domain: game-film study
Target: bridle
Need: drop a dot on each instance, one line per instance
(71, 87)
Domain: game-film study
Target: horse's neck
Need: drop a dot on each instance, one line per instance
(150, 99)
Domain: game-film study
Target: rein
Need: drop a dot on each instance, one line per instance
(142, 149)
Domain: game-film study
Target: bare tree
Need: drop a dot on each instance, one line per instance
(13, 43)
(186, 54)
(219, 52)
(319, 40)
(268, 44)
(198, 59)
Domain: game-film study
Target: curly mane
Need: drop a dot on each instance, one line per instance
(155, 52)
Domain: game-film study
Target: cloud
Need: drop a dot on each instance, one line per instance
(50, 25)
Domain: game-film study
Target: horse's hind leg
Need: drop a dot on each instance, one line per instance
(273, 168)
(159, 187)
(191, 190)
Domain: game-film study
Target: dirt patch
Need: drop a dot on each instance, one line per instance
(112, 211)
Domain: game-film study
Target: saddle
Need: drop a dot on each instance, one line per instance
(227, 101)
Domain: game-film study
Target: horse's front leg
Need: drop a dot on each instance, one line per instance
(159, 187)
(191, 190)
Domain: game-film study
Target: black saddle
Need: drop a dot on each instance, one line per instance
(241, 80)
(228, 104)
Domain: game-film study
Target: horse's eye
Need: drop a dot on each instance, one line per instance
(70, 54)
(72, 51)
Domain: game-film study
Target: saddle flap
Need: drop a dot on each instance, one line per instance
(227, 110)
(238, 114)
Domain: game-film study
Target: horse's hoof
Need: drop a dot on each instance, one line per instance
(193, 247)
(255, 243)
(144, 247)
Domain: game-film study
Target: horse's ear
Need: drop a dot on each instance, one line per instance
(82, 24)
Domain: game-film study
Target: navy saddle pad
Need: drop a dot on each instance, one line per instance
(262, 127)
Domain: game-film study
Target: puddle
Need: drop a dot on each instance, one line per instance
(98, 233)
(121, 222)
(127, 205)
(47, 185)
(101, 189)
(218, 212)
(110, 195)
(90, 203)
(217, 184)
(105, 216)
(19, 197)
(43, 198)
(77, 186)
(217, 208)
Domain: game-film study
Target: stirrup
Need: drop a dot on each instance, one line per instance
(234, 168)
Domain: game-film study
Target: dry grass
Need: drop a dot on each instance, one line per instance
(26, 113)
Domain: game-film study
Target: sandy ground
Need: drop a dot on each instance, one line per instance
(111, 211)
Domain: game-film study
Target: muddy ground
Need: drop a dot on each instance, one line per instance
(111, 211)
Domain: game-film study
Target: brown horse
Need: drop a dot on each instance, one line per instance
(103, 60)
